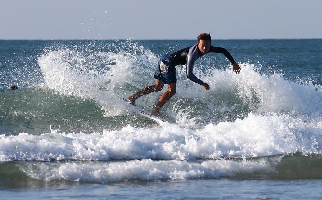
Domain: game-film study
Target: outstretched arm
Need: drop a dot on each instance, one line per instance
(236, 67)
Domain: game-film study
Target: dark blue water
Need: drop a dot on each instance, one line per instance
(65, 133)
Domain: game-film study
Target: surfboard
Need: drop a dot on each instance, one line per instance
(145, 113)
(148, 114)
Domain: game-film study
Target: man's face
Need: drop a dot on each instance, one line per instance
(204, 46)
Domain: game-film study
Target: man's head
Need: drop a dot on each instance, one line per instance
(204, 36)
(204, 42)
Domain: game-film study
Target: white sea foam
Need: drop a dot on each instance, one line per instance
(143, 170)
(167, 152)
(253, 136)
(270, 93)
(100, 76)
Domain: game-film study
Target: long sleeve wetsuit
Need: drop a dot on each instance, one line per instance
(189, 55)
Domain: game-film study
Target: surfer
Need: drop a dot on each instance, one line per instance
(166, 71)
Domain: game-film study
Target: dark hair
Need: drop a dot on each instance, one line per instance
(204, 36)
(13, 87)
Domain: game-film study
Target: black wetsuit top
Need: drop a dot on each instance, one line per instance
(189, 55)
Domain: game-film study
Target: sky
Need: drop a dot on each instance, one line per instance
(160, 19)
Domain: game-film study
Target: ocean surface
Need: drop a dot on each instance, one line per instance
(65, 133)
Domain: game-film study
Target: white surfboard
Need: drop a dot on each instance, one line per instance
(148, 114)
(145, 113)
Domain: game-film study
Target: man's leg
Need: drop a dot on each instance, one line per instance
(147, 90)
(165, 98)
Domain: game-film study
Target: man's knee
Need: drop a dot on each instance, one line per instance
(158, 87)
(172, 91)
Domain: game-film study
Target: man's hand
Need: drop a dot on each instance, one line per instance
(236, 68)
(205, 86)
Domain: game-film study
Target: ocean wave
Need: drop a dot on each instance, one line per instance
(74, 125)
(287, 167)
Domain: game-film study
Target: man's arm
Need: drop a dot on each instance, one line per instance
(191, 58)
(190, 74)
(223, 51)
(192, 77)
(236, 67)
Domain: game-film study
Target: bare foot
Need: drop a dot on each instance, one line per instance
(156, 113)
(132, 100)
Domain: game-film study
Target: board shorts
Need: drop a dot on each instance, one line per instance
(166, 70)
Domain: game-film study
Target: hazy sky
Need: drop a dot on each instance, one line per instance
(160, 19)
